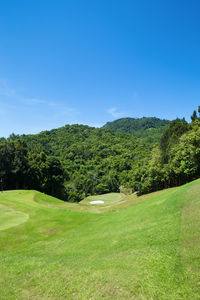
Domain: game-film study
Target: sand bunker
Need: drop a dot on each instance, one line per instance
(97, 202)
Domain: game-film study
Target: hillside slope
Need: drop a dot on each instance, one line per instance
(147, 248)
(147, 128)
(95, 160)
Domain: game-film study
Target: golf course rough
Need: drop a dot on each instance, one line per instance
(144, 247)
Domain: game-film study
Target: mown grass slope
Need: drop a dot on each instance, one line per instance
(144, 248)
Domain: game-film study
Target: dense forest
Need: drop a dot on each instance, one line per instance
(76, 160)
(150, 129)
(95, 160)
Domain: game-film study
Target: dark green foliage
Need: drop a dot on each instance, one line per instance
(53, 177)
(194, 116)
(177, 159)
(171, 136)
(75, 161)
(149, 129)
(96, 161)
(22, 169)
(13, 163)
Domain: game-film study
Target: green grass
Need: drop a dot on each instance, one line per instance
(108, 199)
(137, 248)
(10, 217)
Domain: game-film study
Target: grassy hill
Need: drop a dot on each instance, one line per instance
(140, 248)
(150, 129)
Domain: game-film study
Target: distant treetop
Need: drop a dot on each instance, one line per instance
(141, 127)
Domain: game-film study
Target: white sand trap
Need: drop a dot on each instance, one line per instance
(97, 202)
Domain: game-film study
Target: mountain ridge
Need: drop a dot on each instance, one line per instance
(139, 127)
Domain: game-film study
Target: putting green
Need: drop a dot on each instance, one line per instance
(10, 217)
(107, 199)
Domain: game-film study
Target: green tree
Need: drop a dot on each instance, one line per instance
(194, 116)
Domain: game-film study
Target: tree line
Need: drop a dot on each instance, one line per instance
(176, 160)
(75, 161)
(23, 169)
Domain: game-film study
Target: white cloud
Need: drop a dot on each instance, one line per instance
(114, 113)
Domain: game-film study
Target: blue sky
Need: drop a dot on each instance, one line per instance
(89, 62)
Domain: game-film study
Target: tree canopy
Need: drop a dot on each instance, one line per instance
(75, 161)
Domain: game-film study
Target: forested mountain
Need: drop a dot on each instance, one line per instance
(95, 160)
(148, 128)
(74, 161)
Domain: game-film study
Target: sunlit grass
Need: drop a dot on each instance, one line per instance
(143, 248)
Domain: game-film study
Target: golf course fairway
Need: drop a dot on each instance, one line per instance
(145, 247)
